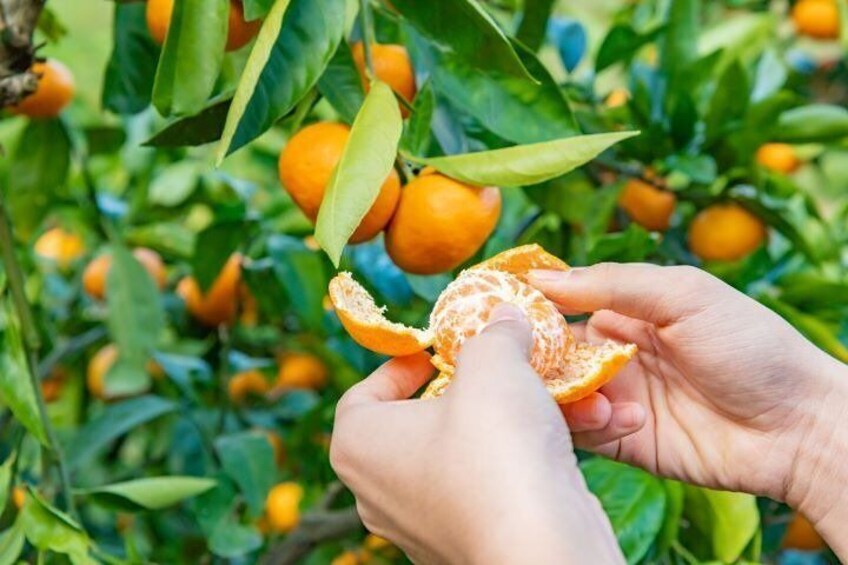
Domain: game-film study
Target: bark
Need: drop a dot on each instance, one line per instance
(18, 19)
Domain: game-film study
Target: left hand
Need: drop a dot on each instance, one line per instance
(486, 473)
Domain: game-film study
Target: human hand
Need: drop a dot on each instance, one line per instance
(485, 473)
(733, 397)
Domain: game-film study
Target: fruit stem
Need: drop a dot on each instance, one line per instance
(366, 22)
(32, 344)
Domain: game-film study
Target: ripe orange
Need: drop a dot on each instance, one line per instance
(18, 496)
(802, 535)
(219, 304)
(100, 364)
(440, 223)
(306, 164)
(816, 18)
(391, 65)
(60, 246)
(350, 558)
(376, 543)
(570, 370)
(647, 205)
(617, 98)
(778, 157)
(247, 384)
(282, 506)
(96, 272)
(239, 32)
(725, 232)
(301, 370)
(54, 92)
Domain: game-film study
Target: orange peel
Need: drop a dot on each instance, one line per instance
(570, 370)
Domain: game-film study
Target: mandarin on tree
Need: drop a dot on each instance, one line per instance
(246, 384)
(96, 273)
(817, 18)
(391, 65)
(647, 205)
(779, 157)
(60, 246)
(301, 370)
(306, 165)
(219, 304)
(99, 365)
(18, 496)
(239, 31)
(282, 506)
(725, 232)
(802, 535)
(54, 92)
(617, 98)
(440, 223)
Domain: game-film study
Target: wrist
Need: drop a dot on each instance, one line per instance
(816, 486)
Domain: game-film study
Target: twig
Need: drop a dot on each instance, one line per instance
(32, 344)
(314, 528)
(632, 171)
(69, 347)
(18, 20)
(367, 25)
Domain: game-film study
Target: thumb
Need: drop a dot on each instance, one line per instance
(499, 354)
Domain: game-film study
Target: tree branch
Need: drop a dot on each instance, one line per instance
(18, 19)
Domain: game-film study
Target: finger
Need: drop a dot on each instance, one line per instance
(627, 418)
(397, 379)
(652, 293)
(592, 413)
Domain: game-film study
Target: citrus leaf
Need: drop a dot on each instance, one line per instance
(153, 493)
(727, 521)
(175, 184)
(191, 57)
(297, 40)
(12, 543)
(113, 422)
(813, 124)
(255, 9)
(215, 512)
(248, 459)
(341, 84)
(368, 158)
(6, 479)
(634, 500)
(680, 44)
(204, 127)
(534, 22)
(15, 384)
(465, 28)
(302, 275)
(416, 133)
(217, 243)
(135, 320)
(131, 71)
(524, 165)
(47, 528)
(621, 44)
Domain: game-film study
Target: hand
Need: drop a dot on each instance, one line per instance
(485, 473)
(733, 397)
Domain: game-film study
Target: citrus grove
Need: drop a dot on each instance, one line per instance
(216, 216)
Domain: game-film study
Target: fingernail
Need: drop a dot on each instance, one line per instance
(505, 312)
(546, 277)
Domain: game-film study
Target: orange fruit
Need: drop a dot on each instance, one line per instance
(725, 232)
(347, 558)
(816, 18)
(239, 32)
(802, 535)
(99, 366)
(391, 65)
(96, 272)
(570, 370)
(60, 246)
(778, 157)
(18, 496)
(219, 304)
(247, 384)
(301, 370)
(440, 223)
(306, 164)
(376, 543)
(617, 98)
(647, 205)
(54, 92)
(282, 506)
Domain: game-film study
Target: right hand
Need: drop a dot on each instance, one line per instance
(723, 392)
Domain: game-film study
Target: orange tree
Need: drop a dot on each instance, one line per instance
(169, 361)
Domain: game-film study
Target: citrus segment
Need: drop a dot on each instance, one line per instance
(367, 324)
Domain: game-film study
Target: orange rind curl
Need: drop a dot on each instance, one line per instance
(571, 370)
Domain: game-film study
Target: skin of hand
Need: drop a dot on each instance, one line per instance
(484, 474)
(723, 392)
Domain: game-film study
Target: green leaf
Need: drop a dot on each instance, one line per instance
(416, 133)
(153, 493)
(175, 184)
(368, 158)
(673, 514)
(216, 243)
(204, 127)
(15, 384)
(6, 480)
(12, 543)
(192, 56)
(113, 422)
(341, 84)
(633, 244)
(171, 237)
(727, 521)
(534, 22)
(729, 102)
(46, 528)
(464, 28)
(815, 123)
(634, 501)
(812, 327)
(679, 48)
(297, 40)
(248, 459)
(255, 9)
(135, 322)
(303, 276)
(525, 165)
(215, 513)
(37, 173)
(128, 82)
(514, 108)
(621, 44)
